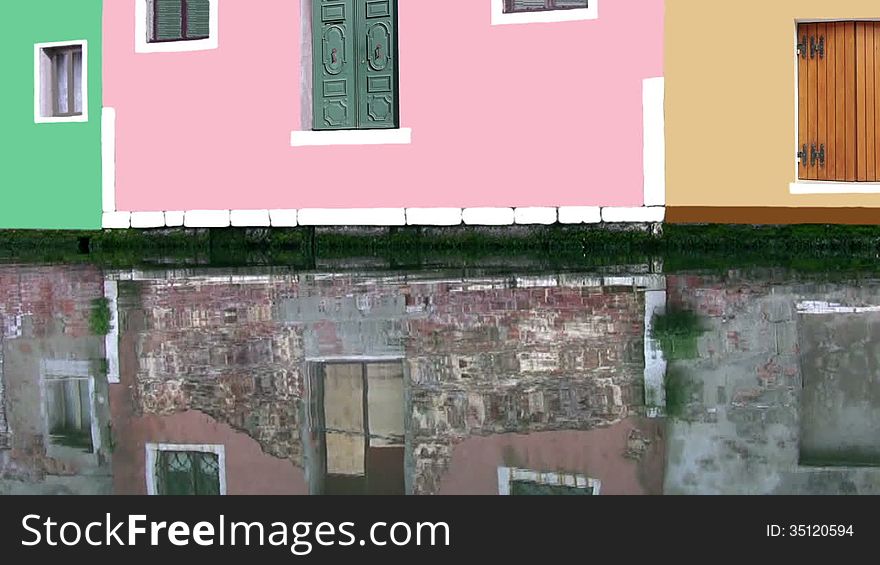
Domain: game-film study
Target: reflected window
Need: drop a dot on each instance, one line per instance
(68, 409)
(522, 482)
(359, 412)
(177, 470)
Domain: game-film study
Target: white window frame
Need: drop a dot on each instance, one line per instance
(306, 136)
(152, 454)
(543, 16)
(142, 44)
(43, 82)
(507, 475)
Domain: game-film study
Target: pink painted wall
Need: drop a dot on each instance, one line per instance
(598, 454)
(512, 115)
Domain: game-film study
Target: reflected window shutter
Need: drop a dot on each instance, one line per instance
(169, 19)
(198, 19)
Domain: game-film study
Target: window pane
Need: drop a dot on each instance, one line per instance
(77, 81)
(61, 59)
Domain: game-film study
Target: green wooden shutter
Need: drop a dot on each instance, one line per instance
(169, 19)
(335, 64)
(198, 19)
(377, 71)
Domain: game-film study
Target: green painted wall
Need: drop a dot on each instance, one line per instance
(50, 174)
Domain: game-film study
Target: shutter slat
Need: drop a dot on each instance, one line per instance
(803, 38)
(169, 19)
(861, 98)
(198, 19)
(839, 151)
(876, 74)
(850, 89)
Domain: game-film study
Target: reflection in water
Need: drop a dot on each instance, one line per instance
(426, 383)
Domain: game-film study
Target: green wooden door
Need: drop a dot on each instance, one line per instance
(355, 64)
(335, 64)
(377, 77)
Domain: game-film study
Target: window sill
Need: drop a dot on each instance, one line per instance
(177, 46)
(543, 16)
(402, 136)
(823, 187)
(61, 120)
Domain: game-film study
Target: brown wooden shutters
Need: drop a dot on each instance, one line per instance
(839, 111)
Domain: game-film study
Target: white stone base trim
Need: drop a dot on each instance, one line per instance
(144, 220)
(250, 218)
(116, 220)
(174, 219)
(433, 216)
(283, 218)
(384, 217)
(488, 216)
(580, 215)
(206, 219)
(352, 217)
(542, 216)
(654, 214)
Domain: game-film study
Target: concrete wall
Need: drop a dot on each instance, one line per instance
(760, 392)
(731, 105)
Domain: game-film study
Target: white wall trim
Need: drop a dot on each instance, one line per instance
(654, 214)
(111, 340)
(352, 217)
(433, 216)
(383, 217)
(250, 218)
(814, 187)
(141, 34)
(543, 16)
(655, 361)
(108, 159)
(488, 216)
(39, 87)
(152, 452)
(541, 216)
(303, 138)
(653, 104)
(580, 215)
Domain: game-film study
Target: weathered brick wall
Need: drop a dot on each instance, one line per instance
(483, 358)
(216, 348)
(497, 360)
(44, 314)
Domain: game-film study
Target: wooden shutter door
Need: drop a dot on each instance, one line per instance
(333, 49)
(377, 73)
(169, 19)
(827, 101)
(868, 105)
(198, 19)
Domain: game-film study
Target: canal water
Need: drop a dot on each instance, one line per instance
(622, 380)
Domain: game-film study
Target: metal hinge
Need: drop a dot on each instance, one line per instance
(817, 46)
(802, 47)
(817, 156)
(802, 155)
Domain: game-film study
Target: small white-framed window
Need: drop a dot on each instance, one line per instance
(185, 469)
(174, 26)
(513, 481)
(543, 11)
(61, 92)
